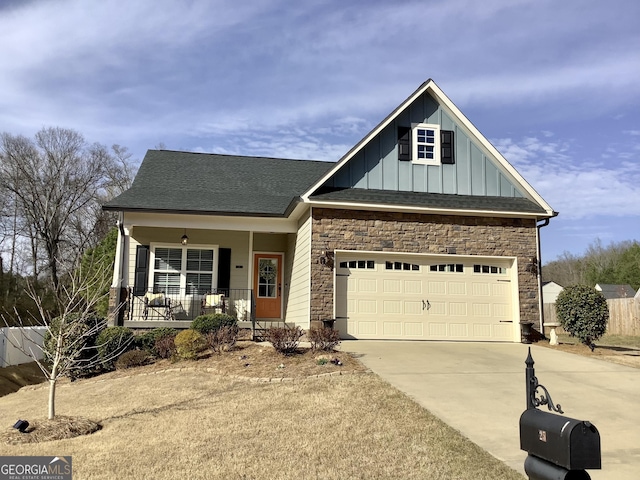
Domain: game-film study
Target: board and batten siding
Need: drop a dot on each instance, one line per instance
(299, 255)
(376, 166)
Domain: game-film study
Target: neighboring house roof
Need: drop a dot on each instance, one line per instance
(615, 291)
(433, 201)
(550, 291)
(184, 182)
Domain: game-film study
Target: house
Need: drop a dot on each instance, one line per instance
(615, 291)
(550, 291)
(422, 230)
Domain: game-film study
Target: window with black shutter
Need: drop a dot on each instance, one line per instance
(447, 152)
(404, 144)
(141, 274)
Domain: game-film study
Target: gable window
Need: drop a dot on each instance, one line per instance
(182, 270)
(426, 144)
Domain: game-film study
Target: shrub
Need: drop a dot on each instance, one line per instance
(189, 343)
(284, 339)
(212, 322)
(112, 342)
(148, 340)
(323, 338)
(222, 339)
(80, 344)
(165, 347)
(132, 358)
(583, 312)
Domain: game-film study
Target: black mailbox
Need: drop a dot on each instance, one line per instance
(566, 442)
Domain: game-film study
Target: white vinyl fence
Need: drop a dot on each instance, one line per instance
(27, 339)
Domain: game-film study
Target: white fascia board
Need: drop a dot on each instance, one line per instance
(390, 118)
(425, 210)
(211, 222)
(454, 112)
(518, 179)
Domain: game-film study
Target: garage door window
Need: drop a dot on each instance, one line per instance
(490, 269)
(359, 264)
(411, 267)
(447, 267)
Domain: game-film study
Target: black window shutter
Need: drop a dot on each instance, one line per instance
(447, 154)
(404, 144)
(224, 269)
(141, 275)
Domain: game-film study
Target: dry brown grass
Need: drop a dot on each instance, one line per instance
(187, 421)
(617, 349)
(14, 377)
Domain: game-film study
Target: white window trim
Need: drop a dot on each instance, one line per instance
(414, 144)
(183, 270)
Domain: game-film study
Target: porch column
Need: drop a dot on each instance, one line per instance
(250, 262)
(116, 296)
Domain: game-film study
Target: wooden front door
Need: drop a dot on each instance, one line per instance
(267, 283)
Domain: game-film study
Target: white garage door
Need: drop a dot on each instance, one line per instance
(425, 297)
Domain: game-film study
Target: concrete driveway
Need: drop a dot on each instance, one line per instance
(479, 389)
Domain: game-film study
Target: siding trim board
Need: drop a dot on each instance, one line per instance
(505, 180)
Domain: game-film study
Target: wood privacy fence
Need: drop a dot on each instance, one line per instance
(624, 316)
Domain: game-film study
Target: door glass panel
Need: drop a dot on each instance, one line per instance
(267, 277)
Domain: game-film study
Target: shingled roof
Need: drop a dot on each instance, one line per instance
(438, 201)
(183, 182)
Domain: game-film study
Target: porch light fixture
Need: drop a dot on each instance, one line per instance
(326, 259)
(184, 240)
(532, 266)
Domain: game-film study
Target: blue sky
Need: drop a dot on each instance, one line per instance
(554, 85)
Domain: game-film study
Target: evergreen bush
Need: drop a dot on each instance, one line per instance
(205, 324)
(189, 343)
(148, 340)
(113, 342)
(583, 312)
(132, 358)
(80, 335)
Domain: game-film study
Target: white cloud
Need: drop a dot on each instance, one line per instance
(572, 184)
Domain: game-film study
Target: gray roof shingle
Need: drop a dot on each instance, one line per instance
(211, 183)
(185, 182)
(431, 200)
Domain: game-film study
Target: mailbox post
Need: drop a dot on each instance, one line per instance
(559, 447)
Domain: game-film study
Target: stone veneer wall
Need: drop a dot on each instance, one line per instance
(417, 233)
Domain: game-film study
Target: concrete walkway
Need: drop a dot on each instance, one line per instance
(479, 389)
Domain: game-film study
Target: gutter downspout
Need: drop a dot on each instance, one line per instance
(539, 273)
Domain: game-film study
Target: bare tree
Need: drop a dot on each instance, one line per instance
(58, 182)
(64, 347)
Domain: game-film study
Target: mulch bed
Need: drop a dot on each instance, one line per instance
(47, 430)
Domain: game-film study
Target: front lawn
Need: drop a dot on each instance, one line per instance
(189, 421)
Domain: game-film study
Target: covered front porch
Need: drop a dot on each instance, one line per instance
(168, 275)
